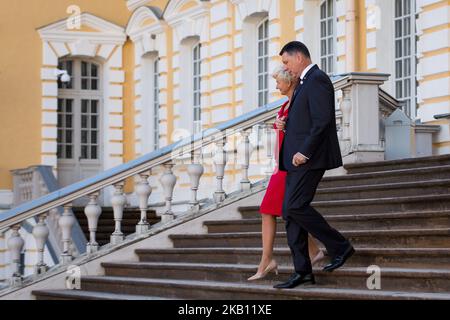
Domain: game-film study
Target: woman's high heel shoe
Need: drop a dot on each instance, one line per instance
(318, 258)
(272, 266)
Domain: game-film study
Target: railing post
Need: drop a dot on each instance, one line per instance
(92, 212)
(168, 181)
(248, 149)
(143, 190)
(346, 108)
(15, 246)
(40, 233)
(220, 160)
(195, 171)
(271, 149)
(361, 117)
(118, 201)
(66, 222)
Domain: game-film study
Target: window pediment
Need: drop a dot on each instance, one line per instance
(178, 10)
(144, 20)
(247, 8)
(91, 28)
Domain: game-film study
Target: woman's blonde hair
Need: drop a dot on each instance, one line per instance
(281, 73)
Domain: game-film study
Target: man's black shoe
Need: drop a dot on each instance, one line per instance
(339, 260)
(295, 280)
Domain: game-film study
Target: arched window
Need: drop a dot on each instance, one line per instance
(263, 63)
(327, 36)
(405, 52)
(190, 84)
(150, 101)
(255, 60)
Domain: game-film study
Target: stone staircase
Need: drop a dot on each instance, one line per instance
(105, 227)
(396, 214)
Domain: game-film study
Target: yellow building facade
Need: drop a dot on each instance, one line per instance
(146, 72)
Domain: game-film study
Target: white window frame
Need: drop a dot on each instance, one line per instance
(196, 90)
(329, 37)
(399, 75)
(156, 104)
(187, 86)
(77, 94)
(150, 101)
(250, 56)
(263, 62)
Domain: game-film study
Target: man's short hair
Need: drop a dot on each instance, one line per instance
(295, 47)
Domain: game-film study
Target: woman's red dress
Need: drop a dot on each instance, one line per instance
(273, 199)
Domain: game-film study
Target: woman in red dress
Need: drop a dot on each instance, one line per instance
(271, 206)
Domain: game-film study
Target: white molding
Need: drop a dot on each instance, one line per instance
(247, 8)
(133, 29)
(134, 4)
(107, 32)
(173, 15)
(188, 23)
(150, 43)
(105, 45)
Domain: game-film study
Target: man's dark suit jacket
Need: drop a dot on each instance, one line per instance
(311, 125)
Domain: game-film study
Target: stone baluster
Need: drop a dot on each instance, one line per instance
(143, 190)
(118, 201)
(15, 246)
(220, 160)
(40, 233)
(66, 222)
(195, 171)
(247, 151)
(92, 212)
(168, 181)
(346, 108)
(271, 147)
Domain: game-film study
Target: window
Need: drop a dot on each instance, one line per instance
(156, 104)
(79, 111)
(263, 63)
(89, 76)
(327, 38)
(89, 129)
(65, 128)
(405, 52)
(196, 68)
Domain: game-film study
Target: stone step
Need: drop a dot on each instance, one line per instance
(87, 295)
(392, 279)
(389, 190)
(384, 205)
(384, 257)
(420, 162)
(207, 290)
(413, 238)
(438, 219)
(425, 203)
(389, 176)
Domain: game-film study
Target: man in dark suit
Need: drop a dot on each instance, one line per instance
(310, 147)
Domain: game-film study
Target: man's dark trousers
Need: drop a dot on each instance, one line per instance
(302, 219)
